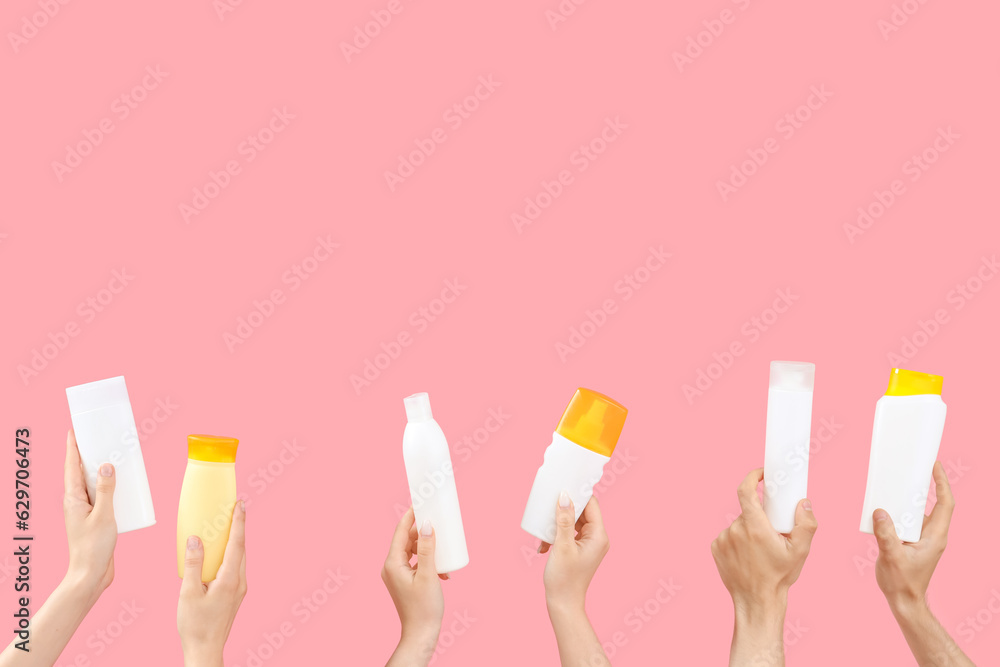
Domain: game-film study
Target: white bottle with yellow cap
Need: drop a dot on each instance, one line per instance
(581, 446)
(208, 496)
(909, 422)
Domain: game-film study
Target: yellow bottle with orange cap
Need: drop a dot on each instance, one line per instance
(909, 422)
(574, 462)
(208, 496)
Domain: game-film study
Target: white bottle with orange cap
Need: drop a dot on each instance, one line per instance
(574, 462)
(909, 422)
(208, 496)
(431, 478)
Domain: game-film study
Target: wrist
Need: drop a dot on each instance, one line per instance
(418, 644)
(762, 612)
(203, 658)
(82, 588)
(908, 609)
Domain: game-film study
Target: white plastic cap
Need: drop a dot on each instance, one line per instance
(418, 407)
(95, 395)
(793, 375)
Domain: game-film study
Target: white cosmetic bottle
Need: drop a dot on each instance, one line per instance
(432, 483)
(786, 440)
(909, 422)
(574, 462)
(106, 433)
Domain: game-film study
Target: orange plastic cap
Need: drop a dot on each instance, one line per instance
(212, 448)
(593, 421)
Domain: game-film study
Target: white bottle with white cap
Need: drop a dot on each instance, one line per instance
(432, 483)
(786, 440)
(106, 433)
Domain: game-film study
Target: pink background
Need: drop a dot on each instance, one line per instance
(334, 506)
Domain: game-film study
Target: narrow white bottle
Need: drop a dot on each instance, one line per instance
(432, 483)
(106, 433)
(786, 440)
(909, 422)
(574, 462)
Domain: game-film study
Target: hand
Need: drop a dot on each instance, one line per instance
(758, 565)
(91, 529)
(205, 612)
(577, 552)
(903, 571)
(574, 558)
(415, 590)
(92, 534)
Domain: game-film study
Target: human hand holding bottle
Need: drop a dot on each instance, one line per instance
(205, 612)
(415, 591)
(903, 572)
(758, 565)
(574, 557)
(92, 534)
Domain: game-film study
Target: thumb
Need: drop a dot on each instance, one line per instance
(805, 525)
(104, 502)
(425, 550)
(565, 520)
(194, 557)
(885, 532)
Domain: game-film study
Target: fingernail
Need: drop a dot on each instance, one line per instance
(426, 529)
(192, 543)
(107, 470)
(564, 500)
(243, 506)
(880, 515)
(807, 506)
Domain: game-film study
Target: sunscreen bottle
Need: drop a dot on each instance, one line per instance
(786, 440)
(208, 496)
(909, 422)
(106, 433)
(574, 462)
(431, 478)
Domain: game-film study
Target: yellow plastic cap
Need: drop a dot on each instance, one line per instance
(593, 421)
(212, 448)
(910, 383)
